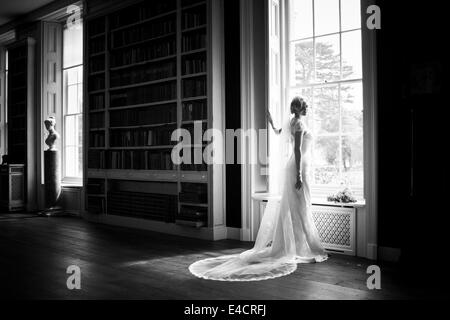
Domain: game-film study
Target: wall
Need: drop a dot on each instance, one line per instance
(412, 63)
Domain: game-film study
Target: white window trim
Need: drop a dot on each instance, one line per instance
(367, 225)
(67, 180)
(323, 191)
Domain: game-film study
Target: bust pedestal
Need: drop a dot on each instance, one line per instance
(52, 182)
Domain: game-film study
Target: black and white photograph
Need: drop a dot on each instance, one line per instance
(240, 152)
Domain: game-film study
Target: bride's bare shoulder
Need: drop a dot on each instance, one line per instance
(297, 125)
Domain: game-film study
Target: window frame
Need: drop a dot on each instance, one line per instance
(70, 180)
(322, 191)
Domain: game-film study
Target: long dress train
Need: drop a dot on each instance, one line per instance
(287, 234)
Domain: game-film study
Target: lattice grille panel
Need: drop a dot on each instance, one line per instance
(335, 226)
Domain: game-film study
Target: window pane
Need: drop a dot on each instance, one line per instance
(328, 58)
(74, 75)
(73, 146)
(70, 128)
(73, 46)
(301, 19)
(326, 109)
(326, 160)
(352, 160)
(351, 55)
(72, 99)
(326, 152)
(326, 175)
(350, 14)
(326, 16)
(352, 108)
(74, 90)
(302, 55)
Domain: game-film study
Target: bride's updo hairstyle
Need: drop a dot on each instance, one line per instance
(298, 105)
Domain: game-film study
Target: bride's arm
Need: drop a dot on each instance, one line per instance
(298, 158)
(269, 118)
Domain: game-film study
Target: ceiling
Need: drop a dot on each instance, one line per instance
(12, 9)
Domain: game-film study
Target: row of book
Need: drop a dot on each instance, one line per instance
(96, 121)
(143, 205)
(97, 64)
(139, 160)
(142, 95)
(17, 136)
(141, 12)
(194, 65)
(17, 123)
(192, 216)
(17, 68)
(193, 151)
(97, 45)
(16, 109)
(97, 139)
(155, 50)
(96, 27)
(97, 101)
(18, 78)
(95, 186)
(142, 137)
(96, 159)
(193, 19)
(143, 32)
(191, 129)
(96, 82)
(143, 116)
(194, 87)
(194, 193)
(193, 41)
(146, 73)
(196, 110)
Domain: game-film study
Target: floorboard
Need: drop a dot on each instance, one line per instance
(120, 263)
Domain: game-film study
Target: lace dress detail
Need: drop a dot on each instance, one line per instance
(287, 235)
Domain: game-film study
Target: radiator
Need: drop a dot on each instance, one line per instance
(336, 226)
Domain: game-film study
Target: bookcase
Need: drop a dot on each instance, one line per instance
(149, 72)
(21, 114)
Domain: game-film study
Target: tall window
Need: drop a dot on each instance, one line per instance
(325, 67)
(73, 103)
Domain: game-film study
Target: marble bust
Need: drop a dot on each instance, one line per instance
(53, 136)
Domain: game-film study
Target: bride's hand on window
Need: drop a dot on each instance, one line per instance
(269, 118)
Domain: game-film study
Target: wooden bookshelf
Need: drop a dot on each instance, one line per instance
(149, 74)
(21, 113)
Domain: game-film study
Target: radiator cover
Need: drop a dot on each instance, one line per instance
(336, 226)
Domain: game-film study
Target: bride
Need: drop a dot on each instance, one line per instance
(287, 234)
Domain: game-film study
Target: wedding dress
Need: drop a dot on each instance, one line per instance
(287, 234)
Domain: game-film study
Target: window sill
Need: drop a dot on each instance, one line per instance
(321, 202)
(66, 184)
(316, 201)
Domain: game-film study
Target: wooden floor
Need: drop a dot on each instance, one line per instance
(119, 263)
